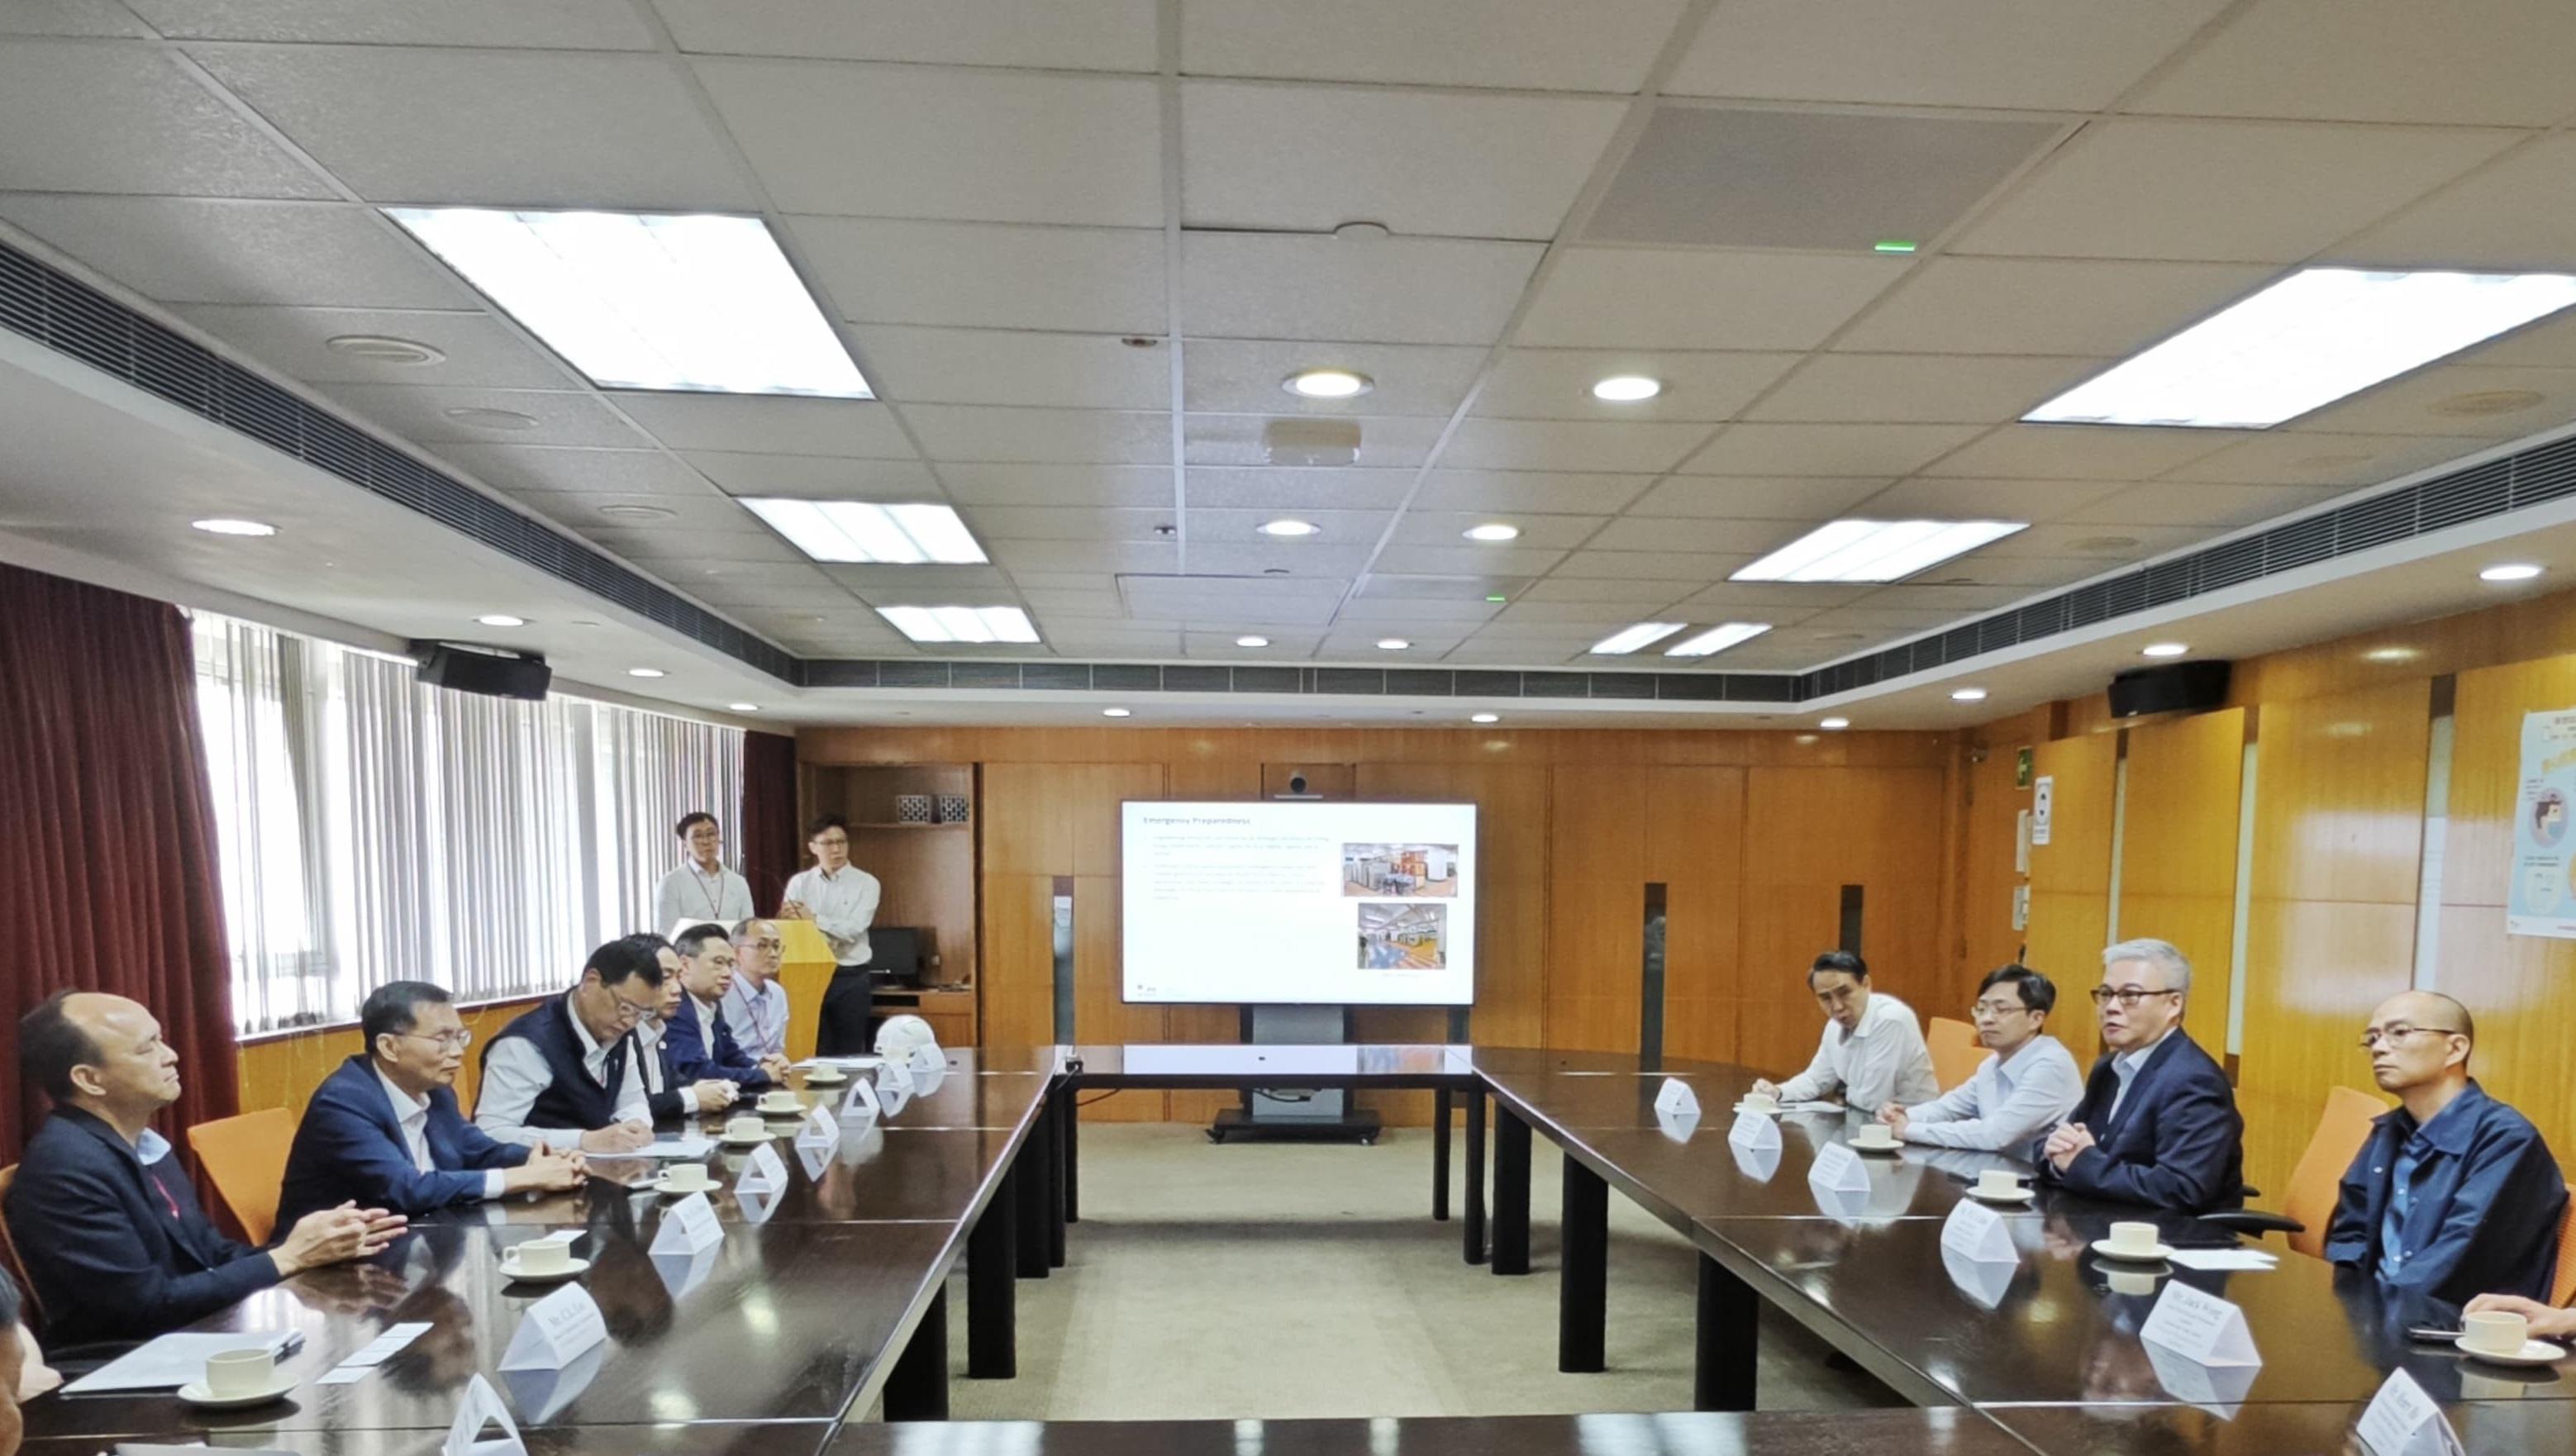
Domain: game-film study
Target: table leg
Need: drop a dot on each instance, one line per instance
(1730, 1338)
(1475, 1232)
(1029, 1188)
(1072, 1160)
(1511, 1193)
(992, 1296)
(917, 1388)
(1059, 1118)
(1440, 1155)
(1583, 1287)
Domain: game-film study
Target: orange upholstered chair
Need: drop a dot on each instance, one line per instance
(246, 1158)
(2314, 1185)
(1955, 1051)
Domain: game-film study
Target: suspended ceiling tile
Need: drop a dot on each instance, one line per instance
(980, 275)
(948, 142)
(423, 413)
(1842, 450)
(1249, 376)
(1448, 528)
(474, 348)
(82, 117)
(1622, 447)
(570, 24)
(202, 250)
(2294, 457)
(1528, 490)
(993, 433)
(1247, 440)
(740, 422)
(1627, 298)
(815, 477)
(1085, 35)
(997, 366)
(2034, 306)
(1274, 488)
(1060, 485)
(527, 128)
(1383, 290)
(2467, 61)
(2081, 452)
(1760, 498)
(575, 469)
(1602, 46)
(2511, 215)
(2182, 503)
(1920, 388)
(1266, 156)
(1969, 499)
(1556, 384)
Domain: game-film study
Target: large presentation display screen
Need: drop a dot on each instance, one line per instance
(1300, 903)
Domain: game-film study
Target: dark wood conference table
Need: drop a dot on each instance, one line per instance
(830, 1295)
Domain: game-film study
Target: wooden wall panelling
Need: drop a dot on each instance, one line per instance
(1988, 828)
(282, 1071)
(2520, 988)
(2070, 879)
(1695, 846)
(1596, 903)
(1017, 980)
(1808, 831)
(2338, 832)
(2178, 854)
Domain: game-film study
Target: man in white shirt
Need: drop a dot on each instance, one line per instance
(840, 898)
(701, 888)
(1872, 1052)
(667, 1094)
(564, 1075)
(757, 1004)
(2025, 1088)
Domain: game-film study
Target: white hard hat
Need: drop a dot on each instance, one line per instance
(901, 1036)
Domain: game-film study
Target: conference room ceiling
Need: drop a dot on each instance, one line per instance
(1076, 248)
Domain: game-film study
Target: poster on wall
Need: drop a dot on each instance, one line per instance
(2043, 808)
(2542, 898)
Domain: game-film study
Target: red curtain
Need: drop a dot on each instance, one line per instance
(111, 876)
(769, 833)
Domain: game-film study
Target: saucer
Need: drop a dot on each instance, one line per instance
(195, 1393)
(825, 1077)
(2156, 1255)
(511, 1271)
(796, 1111)
(2533, 1352)
(662, 1185)
(753, 1141)
(1882, 1149)
(1771, 1111)
(2022, 1196)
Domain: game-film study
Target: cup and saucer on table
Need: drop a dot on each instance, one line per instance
(2504, 1338)
(2134, 1243)
(236, 1378)
(681, 1179)
(1875, 1137)
(2000, 1185)
(744, 1130)
(1761, 1102)
(546, 1260)
(825, 1075)
(781, 1103)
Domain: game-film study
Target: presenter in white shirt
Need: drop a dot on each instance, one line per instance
(2027, 1087)
(839, 897)
(701, 888)
(1872, 1052)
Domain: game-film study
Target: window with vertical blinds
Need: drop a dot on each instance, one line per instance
(374, 829)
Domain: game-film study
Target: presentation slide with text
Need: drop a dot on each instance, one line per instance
(1300, 903)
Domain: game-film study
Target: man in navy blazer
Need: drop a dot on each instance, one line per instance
(2455, 1193)
(384, 1129)
(104, 1217)
(665, 1093)
(2158, 1124)
(701, 1042)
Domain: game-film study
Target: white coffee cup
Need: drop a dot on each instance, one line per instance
(687, 1177)
(1873, 1135)
(1761, 1102)
(745, 1128)
(248, 1372)
(2134, 1238)
(1999, 1183)
(825, 1076)
(2495, 1332)
(545, 1256)
(781, 1102)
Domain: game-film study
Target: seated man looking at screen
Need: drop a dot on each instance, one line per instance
(2158, 1124)
(2019, 1092)
(1872, 1052)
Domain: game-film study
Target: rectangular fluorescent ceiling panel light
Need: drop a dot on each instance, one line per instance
(1717, 639)
(961, 624)
(902, 535)
(649, 301)
(1629, 639)
(1874, 550)
(2307, 341)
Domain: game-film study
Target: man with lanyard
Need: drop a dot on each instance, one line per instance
(701, 888)
(757, 1005)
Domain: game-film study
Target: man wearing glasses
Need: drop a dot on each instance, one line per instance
(2455, 1194)
(564, 1075)
(2158, 1124)
(2018, 1093)
(384, 1131)
(756, 1007)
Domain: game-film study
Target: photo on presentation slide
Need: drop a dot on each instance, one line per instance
(1401, 937)
(1409, 870)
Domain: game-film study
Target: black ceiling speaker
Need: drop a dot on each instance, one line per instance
(494, 672)
(2171, 687)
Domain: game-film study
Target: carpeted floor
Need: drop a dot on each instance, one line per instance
(1278, 1280)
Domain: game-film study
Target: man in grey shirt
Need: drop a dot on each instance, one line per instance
(2027, 1087)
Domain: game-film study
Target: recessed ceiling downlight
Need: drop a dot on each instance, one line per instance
(1328, 383)
(1627, 388)
(2164, 649)
(502, 619)
(1289, 527)
(1492, 531)
(2510, 571)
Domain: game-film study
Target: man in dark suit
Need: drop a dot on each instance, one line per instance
(384, 1129)
(670, 1097)
(701, 1041)
(2158, 1124)
(104, 1217)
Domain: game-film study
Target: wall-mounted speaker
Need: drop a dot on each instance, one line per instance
(492, 672)
(2169, 687)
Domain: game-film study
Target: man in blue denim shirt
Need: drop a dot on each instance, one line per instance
(2454, 1194)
